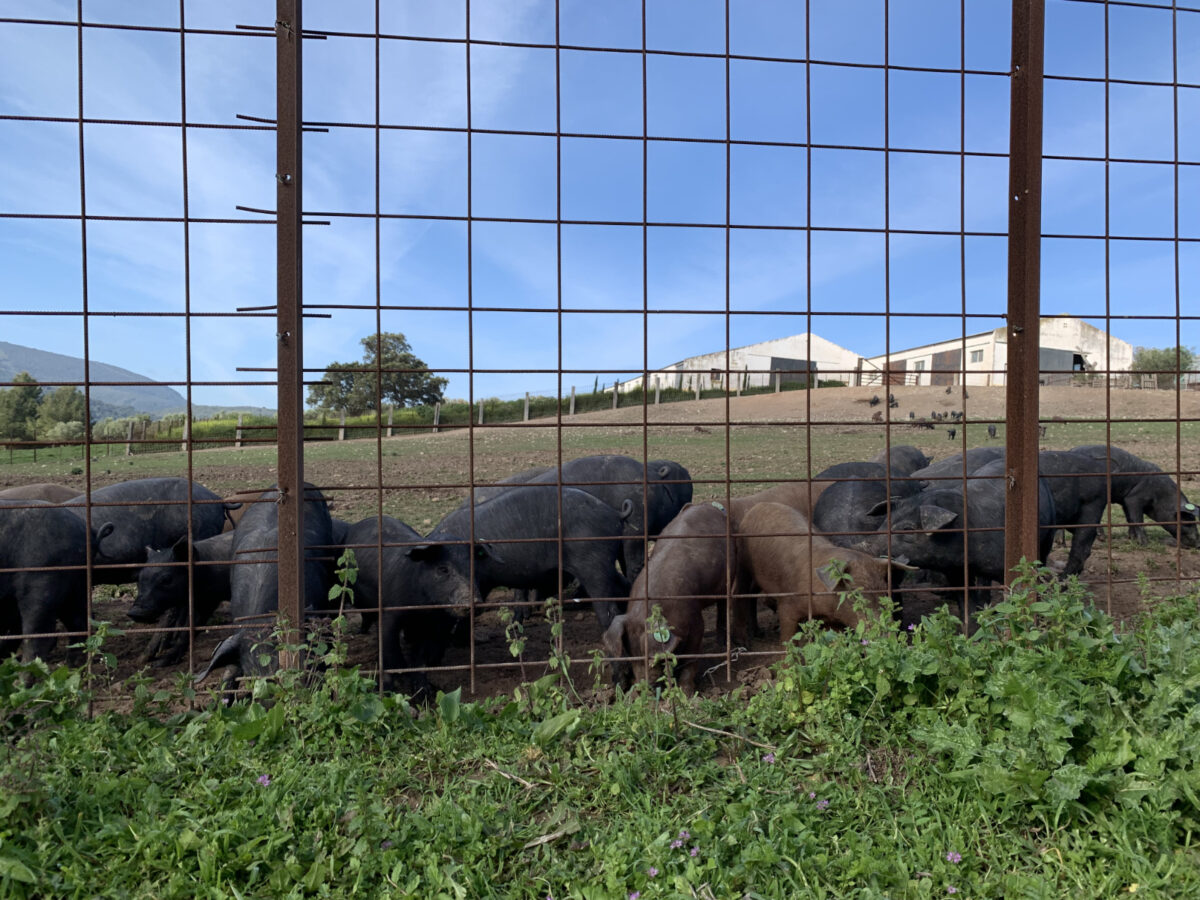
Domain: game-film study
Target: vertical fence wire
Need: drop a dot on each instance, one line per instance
(83, 299)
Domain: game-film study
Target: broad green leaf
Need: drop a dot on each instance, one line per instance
(549, 730)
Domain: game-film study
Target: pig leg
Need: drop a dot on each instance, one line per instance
(1134, 514)
(607, 583)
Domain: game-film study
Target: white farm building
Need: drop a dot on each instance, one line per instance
(756, 365)
(1066, 345)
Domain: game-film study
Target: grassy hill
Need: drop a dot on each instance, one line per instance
(114, 400)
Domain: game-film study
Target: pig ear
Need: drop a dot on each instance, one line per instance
(485, 551)
(671, 644)
(831, 575)
(664, 471)
(180, 549)
(615, 639)
(935, 517)
(228, 652)
(420, 552)
(880, 508)
(105, 530)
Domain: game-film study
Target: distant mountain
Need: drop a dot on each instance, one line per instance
(117, 400)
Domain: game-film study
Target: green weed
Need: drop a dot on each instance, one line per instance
(1045, 755)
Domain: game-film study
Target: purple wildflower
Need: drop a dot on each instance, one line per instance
(954, 857)
(864, 642)
(912, 627)
(812, 795)
(264, 780)
(652, 872)
(822, 804)
(683, 835)
(387, 845)
(951, 889)
(634, 895)
(675, 845)
(695, 851)
(769, 758)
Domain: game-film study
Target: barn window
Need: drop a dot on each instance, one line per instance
(976, 356)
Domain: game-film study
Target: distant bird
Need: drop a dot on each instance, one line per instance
(892, 401)
(952, 432)
(991, 431)
(874, 400)
(701, 429)
(877, 417)
(949, 388)
(911, 415)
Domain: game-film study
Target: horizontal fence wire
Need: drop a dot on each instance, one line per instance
(420, 463)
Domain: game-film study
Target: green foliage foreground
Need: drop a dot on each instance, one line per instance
(1045, 756)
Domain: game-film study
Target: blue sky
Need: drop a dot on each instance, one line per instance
(137, 171)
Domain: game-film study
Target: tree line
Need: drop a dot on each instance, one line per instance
(389, 372)
(28, 411)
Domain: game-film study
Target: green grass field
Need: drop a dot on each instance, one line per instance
(1046, 756)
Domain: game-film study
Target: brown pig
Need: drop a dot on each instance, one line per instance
(777, 551)
(799, 495)
(693, 566)
(51, 493)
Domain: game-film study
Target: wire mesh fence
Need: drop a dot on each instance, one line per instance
(758, 250)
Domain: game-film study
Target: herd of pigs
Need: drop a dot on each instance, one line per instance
(587, 524)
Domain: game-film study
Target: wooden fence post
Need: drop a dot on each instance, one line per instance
(342, 427)
(778, 382)
(437, 416)
(526, 416)
(237, 435)
(187, 430)
(129, 439)
(657, 392)
(697, 387)
(480, 412)
(614, 406)
(572, 412)
(391, 409)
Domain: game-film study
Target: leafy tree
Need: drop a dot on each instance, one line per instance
(358, 387)
(1164, 360)
(19, 407)
(63, 404)
(64, 431)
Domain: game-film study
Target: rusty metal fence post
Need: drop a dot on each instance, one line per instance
(290, 346)
(1024, 279)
